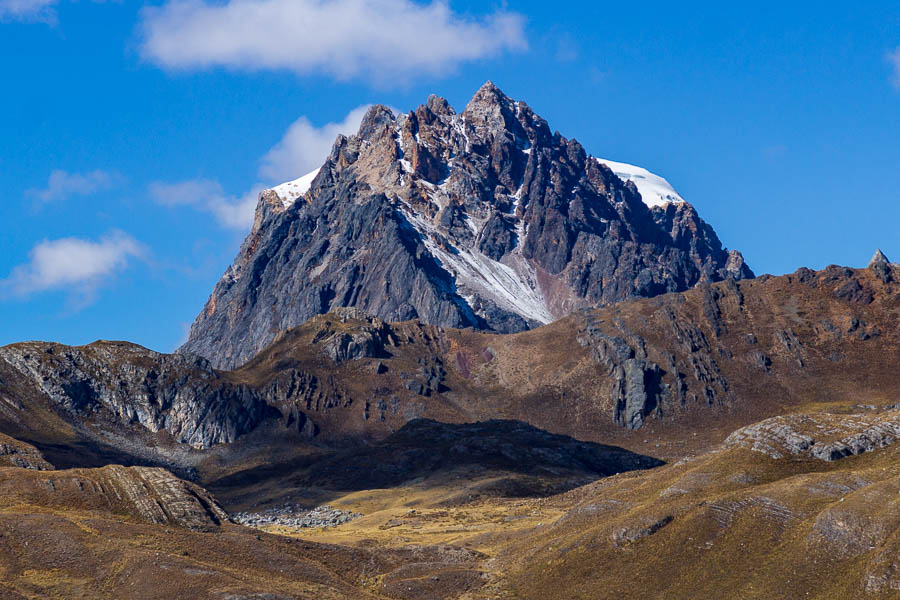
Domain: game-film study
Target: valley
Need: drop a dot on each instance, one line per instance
(398, 422)
(464, 359)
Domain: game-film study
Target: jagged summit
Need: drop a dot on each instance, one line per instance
(882, 267)
(879, 258)
(484, 218)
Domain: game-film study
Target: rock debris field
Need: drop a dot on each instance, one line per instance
(289, 515)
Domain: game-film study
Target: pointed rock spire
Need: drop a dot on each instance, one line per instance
(879, 259)
(489, 88)
(882, 267)
(487, 98)
(377, 120)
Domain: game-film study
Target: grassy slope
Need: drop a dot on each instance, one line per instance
(725, 524)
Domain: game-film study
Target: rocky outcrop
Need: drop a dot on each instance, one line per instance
(882, 266)
(629, 535)
(823, 436)
(149, 494)
(128, 384)
(482, 219)
(634, 381)
(717, 350)
(294, 517)
(878, 258)
(14, 453)
(365, 340)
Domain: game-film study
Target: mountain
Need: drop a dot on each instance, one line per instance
(707, 361)
(735, 440)
(712, 358)
(482, 219)
(120, 383)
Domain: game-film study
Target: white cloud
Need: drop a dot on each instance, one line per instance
(207, 195)
(304, 147)
(75, 265)
(383, 40)
(28, 10)
(62, 185)
(894, 58)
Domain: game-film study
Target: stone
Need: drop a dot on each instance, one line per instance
(629, 535)
(14, 453)
(639, 391)
(878, 259)
(179, 393)
(152, 495)
(822, 436)
(294, 517)
(882, 267)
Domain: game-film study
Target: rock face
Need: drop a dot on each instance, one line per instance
(634, 380)
(879, 258)
(149, 494)
(739, 351)
(481, 219)
(126, 383)
(881, 266)
(14, 453)
(366, 341)
(823, 436)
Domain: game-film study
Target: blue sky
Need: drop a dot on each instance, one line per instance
(133, 137)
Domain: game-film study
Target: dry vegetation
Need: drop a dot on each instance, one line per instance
(716, 522)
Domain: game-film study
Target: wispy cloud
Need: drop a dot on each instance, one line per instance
(208, 195)
(304, 146)
(380, 40)
(302, 149)
(33, 11)
(894, 59)
(75, 265)
(62, 185)
(28, 10)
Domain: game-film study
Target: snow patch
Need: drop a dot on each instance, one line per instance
(477, 274)
(654, 190)
(289, 192)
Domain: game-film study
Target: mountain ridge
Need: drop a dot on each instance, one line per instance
(479, 219)
(710, 359)
(477, 464)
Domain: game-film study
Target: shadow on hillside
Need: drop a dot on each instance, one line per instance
(522, 460)
(88, 454)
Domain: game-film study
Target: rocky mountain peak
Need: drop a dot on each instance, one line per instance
(491, 109)
(882, 267)
(879, 258)
(439, 106)
(479, 219)
(377, 122)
